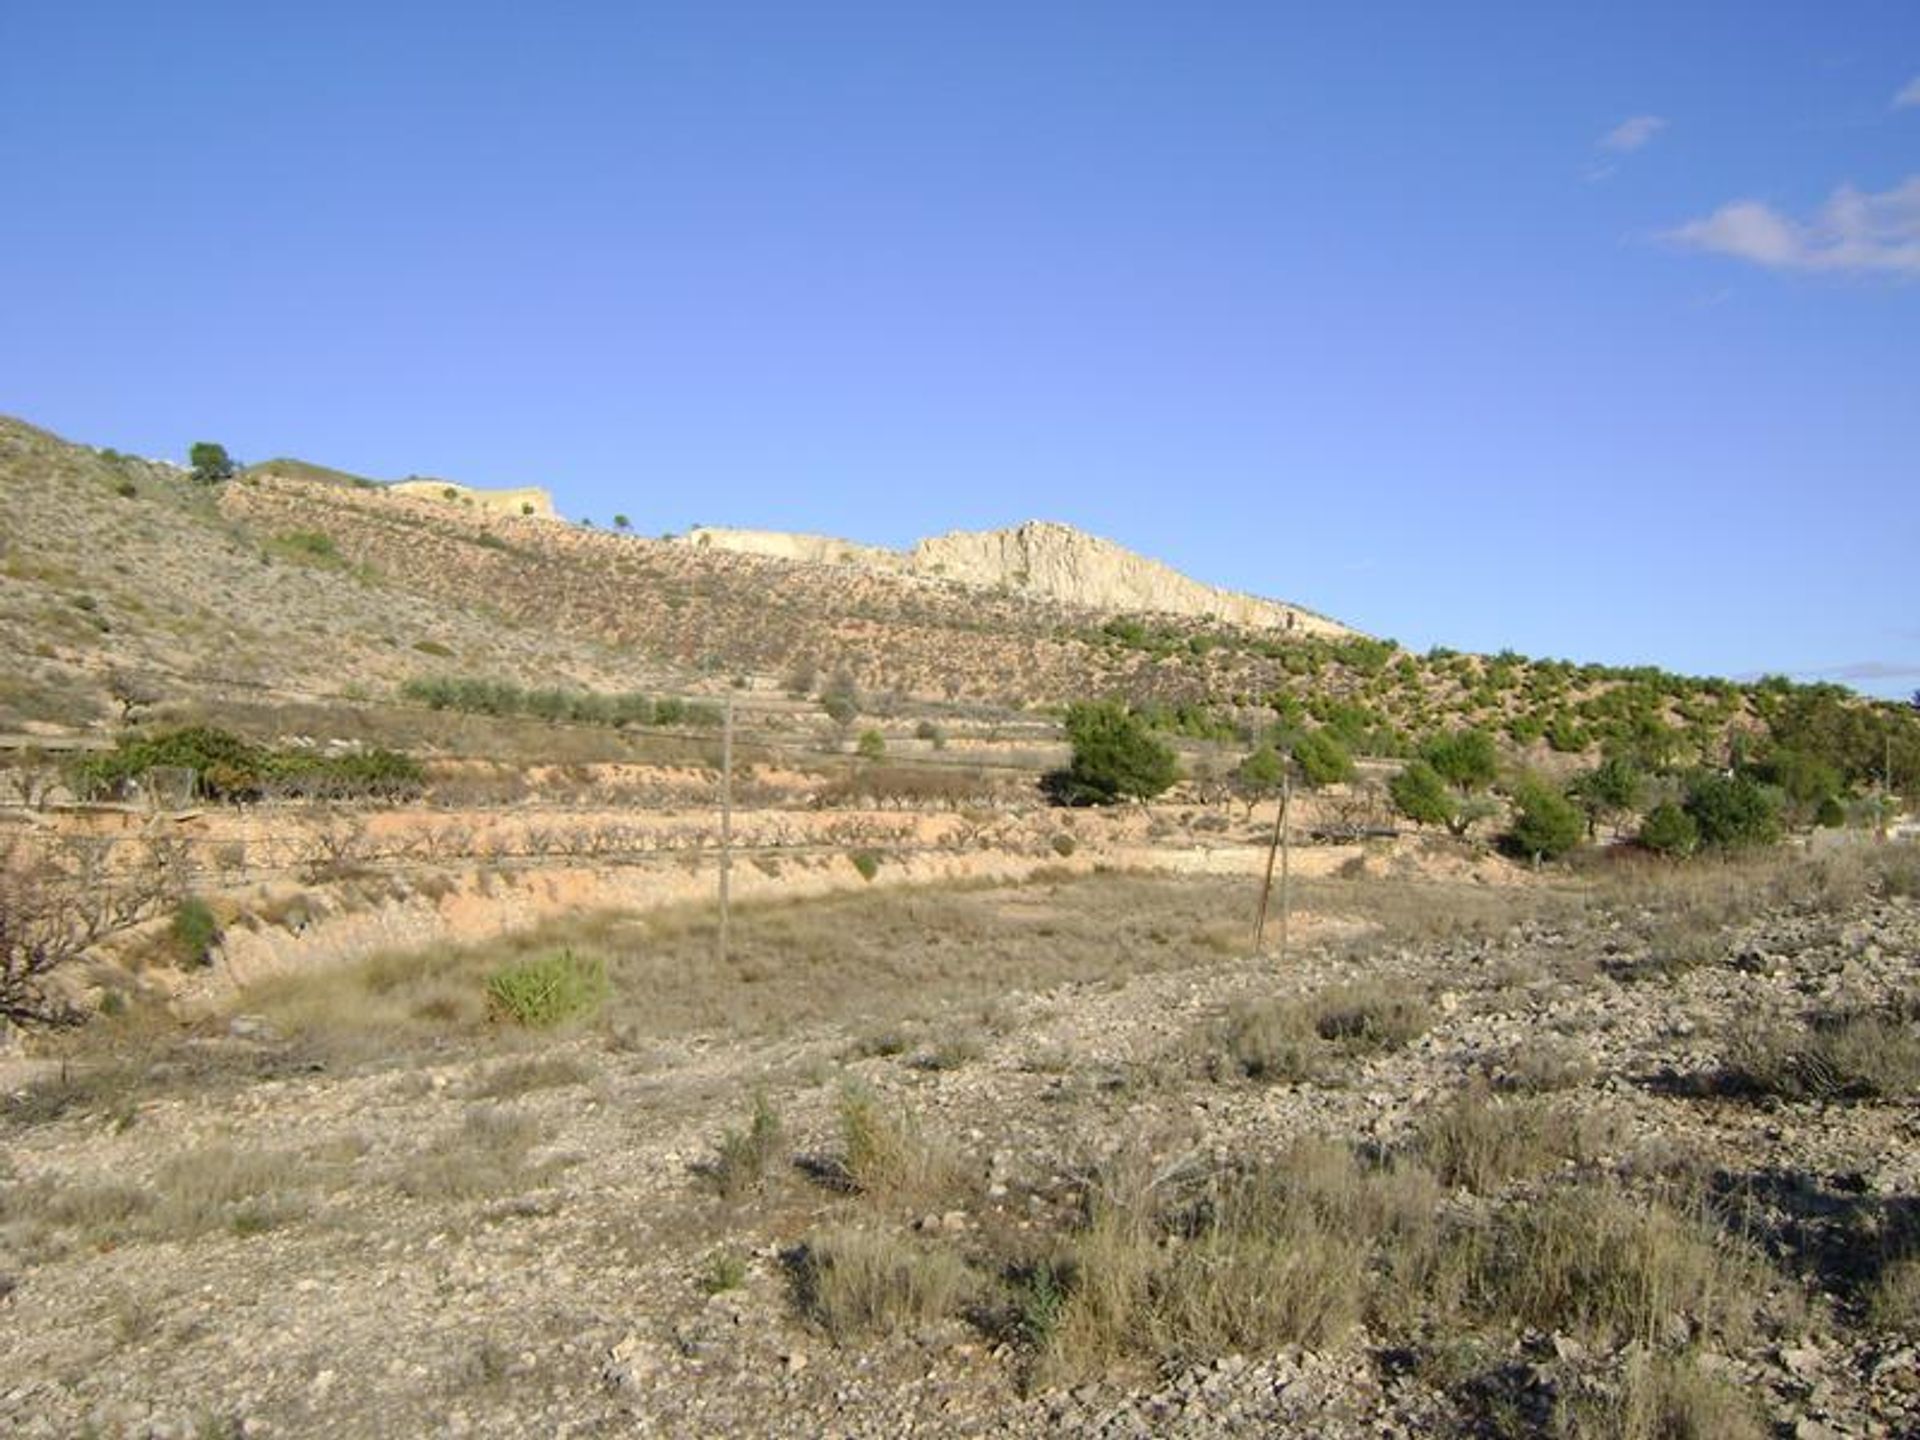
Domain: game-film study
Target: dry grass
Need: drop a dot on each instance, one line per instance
(1480, 1141)
(487, 1155)
(1594, 1261)
(216, 1188)
(523, 1076)
(853, 1281)
(888, 1155)
(1838, 1055)
(224, 1187)
(1177, 1262)
(1663, 1397)
(1895, 1300)
(1293, 1040)
(883, 958)
(1543, 1065)
(743, 1157)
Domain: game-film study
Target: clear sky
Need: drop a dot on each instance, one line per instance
(1589, 330)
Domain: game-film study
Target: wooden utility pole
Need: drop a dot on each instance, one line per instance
(726, 827)
(1282, 847)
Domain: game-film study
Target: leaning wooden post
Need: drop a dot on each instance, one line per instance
(1286, 859)
(1277, 846)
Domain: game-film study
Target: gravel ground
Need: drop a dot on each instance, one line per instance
(470, 1244)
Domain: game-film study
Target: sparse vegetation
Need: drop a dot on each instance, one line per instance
(852, 1281)
(1295, 1040)
(887, 1155)
(194, 930)
(548, 990)
(744, 1156)
(1590, 1151)
(579, 707)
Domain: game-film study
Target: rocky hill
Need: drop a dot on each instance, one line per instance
(1040, 558)
(519, 500)
(300, 585)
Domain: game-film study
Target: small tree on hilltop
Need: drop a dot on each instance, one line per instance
(1115, 756)
(211, 463)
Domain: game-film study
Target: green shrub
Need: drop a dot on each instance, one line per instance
(211, 463)
(230, 768)
(1322, 759)
(1545, 823)
(866, 862)
(545, 991)
(194, 930)
(1115, 756)
(480, 696)
(1669, 830)
(725, 1270)
(1419, 793)
(1733, 812)
(1465, 759)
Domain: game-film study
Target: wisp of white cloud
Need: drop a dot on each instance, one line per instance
(1873, 670)
(1854, 230)
(1910, 96)
(1632, 133)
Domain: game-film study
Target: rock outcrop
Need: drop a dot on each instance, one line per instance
(1065, 564)
(525, 500)
(1042, 558)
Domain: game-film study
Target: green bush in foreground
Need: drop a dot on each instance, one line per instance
(194, 930)
(1669, 830)
(1114, 757)
(1546, 825)
(549, 989)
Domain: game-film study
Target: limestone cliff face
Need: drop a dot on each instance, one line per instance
(1062, 563)
(779, 544)
(1041, 558)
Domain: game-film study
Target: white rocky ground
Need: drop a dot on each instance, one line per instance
(476, 1243)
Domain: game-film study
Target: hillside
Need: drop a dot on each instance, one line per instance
(113, 565)
(382, 924)
(296, 584)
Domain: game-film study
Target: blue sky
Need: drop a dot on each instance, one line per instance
(1593, 331)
